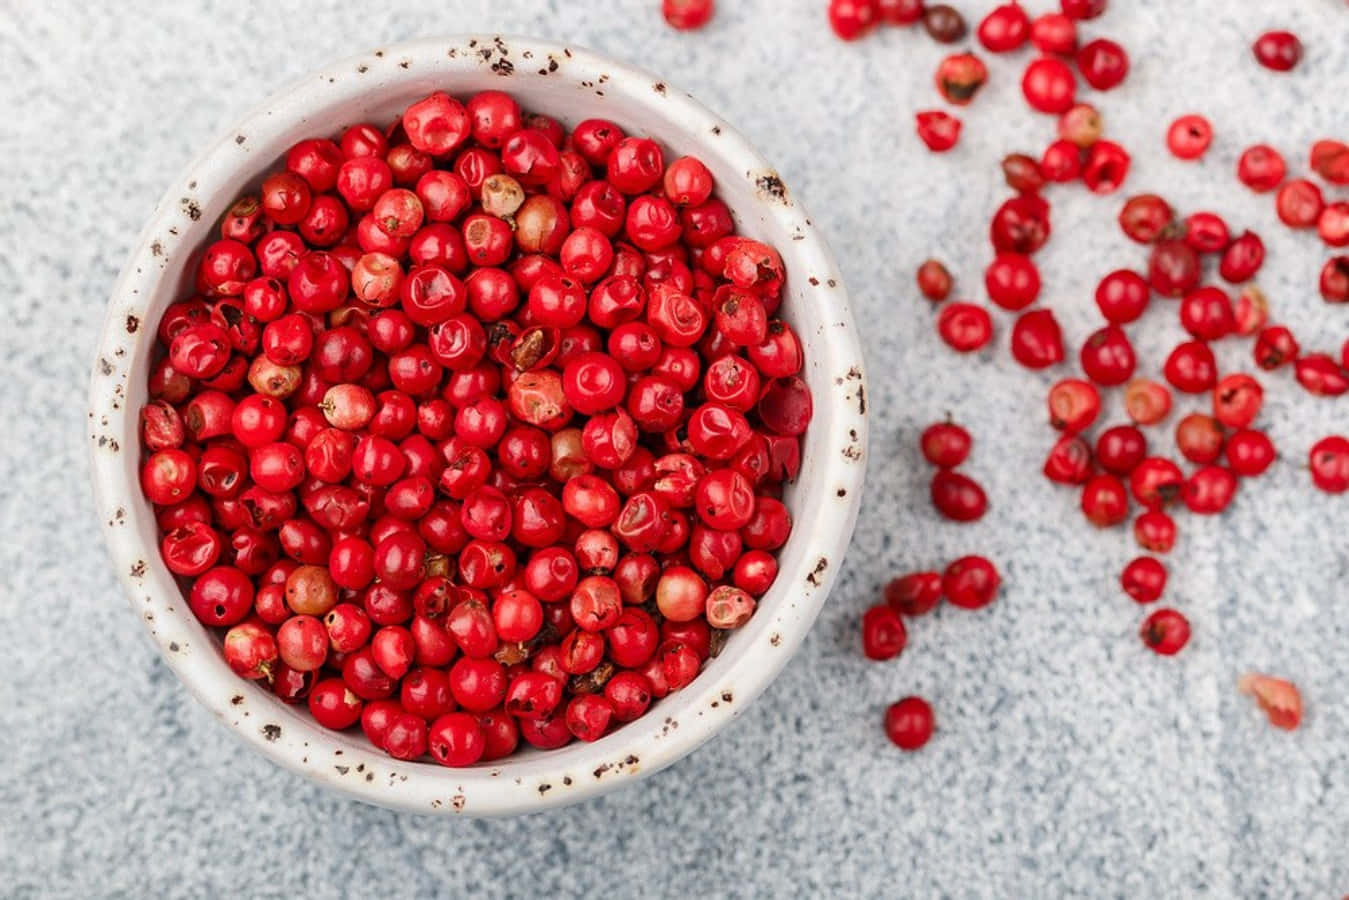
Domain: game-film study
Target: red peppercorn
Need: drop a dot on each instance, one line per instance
(687, 15)
(1122, 296)
(1199, 438)
(1144, 579)
(1321, 375)
(1146, 401)
(1107, 357)
(1082, 9)
(1165, 632)
(1261, 168)
(1333, 225)
(945, 444)
(1145, 218)
(958, 497)
(1103, 63)
(1250, 453)
(1020, 225)
(965, 327)
(852, 19)
(1189, 137)
(938, 130)
(1155, 531)
(1048, 85)
(943, 23)
(1329, 464)
(1274, 347)
(1104, 501)
(934, 281)
(1069, 461)
(1073, 405)
(1005, 28)
(1106, 168)
(1334, 282)
(1022, 173)
(1209, 490)
(1061, 161)
(1054, 33)
(914, 594)
(1037, 342)
(883, 633)
(1237, 400)
(971, 582)
(1120, 448)
(1173, 269)
(1277, 50)
(959, 77)
(900, 12)
(909, 723)
(1207, 314)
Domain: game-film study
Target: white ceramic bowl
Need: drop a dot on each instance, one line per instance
(572, 85)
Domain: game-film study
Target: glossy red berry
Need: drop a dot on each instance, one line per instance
(1191, 367)
(1165, 632)
(934, 281)
(914, 594)
(1103, 63)
(1277, 50)
(1207, 314)
(1037, 341)
(971, 582)
(1329, 464)
(1145, 217)
(1237, 400)
(958, 497)
(1250, 453)
(1069, 461)
(1299, 203)
(687, 15)
(1275, 346)
(1048, 85)
(1210, 490)
(1242, 258)
(1012, 281)
(965, 327)
(1005, 28)
(945, 444)
(1120, 448)
(852, 19)
(1105, 502)
(909, 723)
(1334, 282)
(1261, 168)
(883, 633)
(1189, 137)
(1155, 531)
(1144, 579)
(938, 130)
(1107, 356)
(1122, 296)
(1319, 374)
(1206, 232)
(1054, 33)
(1020, 225)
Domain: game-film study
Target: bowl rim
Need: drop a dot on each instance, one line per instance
(518, 784)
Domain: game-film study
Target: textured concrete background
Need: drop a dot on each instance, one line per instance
(1069, 760)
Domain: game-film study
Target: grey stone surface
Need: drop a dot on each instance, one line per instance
(1069, 760)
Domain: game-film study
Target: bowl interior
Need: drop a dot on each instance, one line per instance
(570, 85)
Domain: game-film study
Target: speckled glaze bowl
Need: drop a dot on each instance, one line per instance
(572, 85)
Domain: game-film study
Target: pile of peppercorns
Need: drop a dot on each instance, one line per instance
(475, 429)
